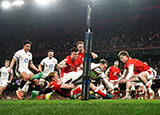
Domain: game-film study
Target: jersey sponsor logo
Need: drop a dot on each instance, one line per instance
(51, 66)
(26, 60)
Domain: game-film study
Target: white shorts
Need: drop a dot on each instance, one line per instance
(19, 71)
(112, 82)
(71, 76)
(150, 74)
(3, 83)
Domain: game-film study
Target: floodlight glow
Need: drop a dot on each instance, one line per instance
(6, 4)
(43, 2)
(18, 3)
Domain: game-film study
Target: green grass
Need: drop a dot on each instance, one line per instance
(78, 107)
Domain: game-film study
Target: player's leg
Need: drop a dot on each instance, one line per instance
(96, 90)
(2, 88)
(116, 89)
(25, 77)
(72, 77)
(76, 92)
(35, 78)
(37, 93)
(144, 76)
(128, 86)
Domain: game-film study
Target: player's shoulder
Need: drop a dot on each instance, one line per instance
(2, 68)
(94, 65)
(68, 58)
(29, 54)
(19, 51)
(111, 67)
(133, 59)
(57, 83)
(54, 59)
(45, 59)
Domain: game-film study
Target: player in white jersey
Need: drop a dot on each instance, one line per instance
(23, 59)
(4, 77)
(49, 63)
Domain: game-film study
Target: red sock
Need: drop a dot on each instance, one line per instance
(101, 93)
(77, 90)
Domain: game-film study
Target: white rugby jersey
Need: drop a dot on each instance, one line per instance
(49, 65)
(23, 59)
(4, 73)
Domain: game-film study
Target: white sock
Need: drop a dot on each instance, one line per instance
(150, 90)
(127, 93)
(25, 87)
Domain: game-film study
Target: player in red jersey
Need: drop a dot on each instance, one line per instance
(114, 72)
(70, 63)
(68, 89)
(80, 46)
(134, 70)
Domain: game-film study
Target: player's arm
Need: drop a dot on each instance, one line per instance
(62, 64)
(40, 67)
(130, 72)
(94, 55)
(107, 72)
(33, 66)
(67, 86)
(58, 68)
(12, 63)
(11, 77)
(81, 66)
(129, 75)
(14, 59)
(120, 74)
(0, 72)
(105, 80)
(123, 76)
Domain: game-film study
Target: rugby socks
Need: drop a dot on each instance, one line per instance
(22, 84)
(127, 92)
(100, 92)
(38, 87)
(25, 87)
(77, 91)
(37, 76)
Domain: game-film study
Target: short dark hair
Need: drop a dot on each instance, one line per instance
(80, 42)
(50, 50)
(123, 53)
(74, 49)
(27, 42)
(103, 61)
